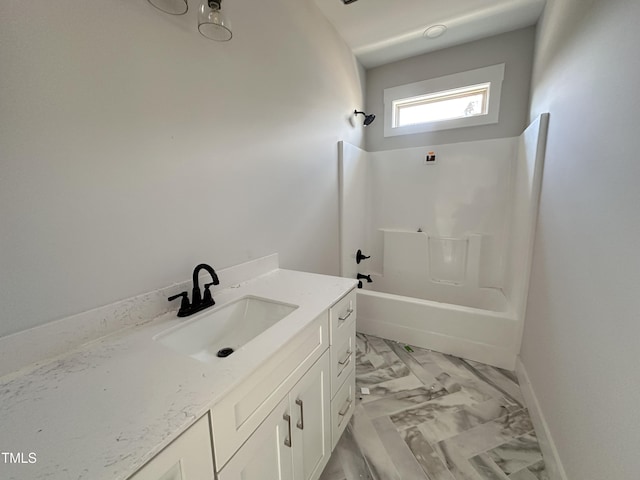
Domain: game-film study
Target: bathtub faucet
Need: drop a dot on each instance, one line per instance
(364, 277)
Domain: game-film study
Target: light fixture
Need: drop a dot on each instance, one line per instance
(368, 119)
(172, 7)
(212, 23)
(435, 31)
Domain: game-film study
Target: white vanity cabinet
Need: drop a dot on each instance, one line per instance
(313, 414)
(310, 401)
(294, 441)
(342, 320)
(265, 454)
(244, 408)
(283, 420)
(189, 457)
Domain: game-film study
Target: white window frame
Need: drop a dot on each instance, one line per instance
(493, 75)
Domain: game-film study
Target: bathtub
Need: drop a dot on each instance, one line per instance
(489, 334)
(440, 286)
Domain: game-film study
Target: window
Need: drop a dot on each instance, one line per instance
(457, 103)
(460, 100)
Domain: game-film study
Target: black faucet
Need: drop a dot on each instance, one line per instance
(364, 277)
(361, 256)
(198, 301)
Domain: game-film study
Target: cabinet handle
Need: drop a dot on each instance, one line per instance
(349, 312)
(300, 424)
(344, 367)
(347, 358)
(346, 408)
(287, 441)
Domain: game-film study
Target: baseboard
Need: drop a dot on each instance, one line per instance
(548, 447)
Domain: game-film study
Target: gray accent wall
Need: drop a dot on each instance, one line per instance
(582, 328)
(514, 49)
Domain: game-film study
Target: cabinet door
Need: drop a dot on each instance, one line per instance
(310, 403)
(189, 457)
(267, 454)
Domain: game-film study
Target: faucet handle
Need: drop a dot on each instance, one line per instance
(207, 298)
(361, 256)
(184, 306)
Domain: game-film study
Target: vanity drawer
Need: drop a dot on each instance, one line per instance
(343, 357)
(341, 315)
(342, 407)
(241, 411)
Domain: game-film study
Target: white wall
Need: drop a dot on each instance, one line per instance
(465, 192)
(514, 49)
(132, 148)
(582, 328)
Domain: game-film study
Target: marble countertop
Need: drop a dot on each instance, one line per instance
(104, 409)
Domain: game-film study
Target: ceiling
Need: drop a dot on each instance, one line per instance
(383, 31)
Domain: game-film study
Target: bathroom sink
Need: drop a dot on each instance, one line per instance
(210, 335)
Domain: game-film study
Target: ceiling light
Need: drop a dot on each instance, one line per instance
(212, 23)
(435, 31)
(172, 7)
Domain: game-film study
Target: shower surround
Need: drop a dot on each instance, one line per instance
(450, 242)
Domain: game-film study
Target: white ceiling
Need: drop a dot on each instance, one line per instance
(383, 31)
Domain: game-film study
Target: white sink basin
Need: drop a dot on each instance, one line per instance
(228, 326)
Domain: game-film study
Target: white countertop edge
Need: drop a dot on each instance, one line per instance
(152, 394)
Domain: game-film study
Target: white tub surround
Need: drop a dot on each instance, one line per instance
(105, 408)
(450, 242)
(527, 185)
(442, 269)
(430, 295)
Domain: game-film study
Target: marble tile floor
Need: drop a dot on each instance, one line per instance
(431, 416)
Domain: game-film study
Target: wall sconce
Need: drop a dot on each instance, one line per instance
(212, 22)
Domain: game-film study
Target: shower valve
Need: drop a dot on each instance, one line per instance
(360, 256)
